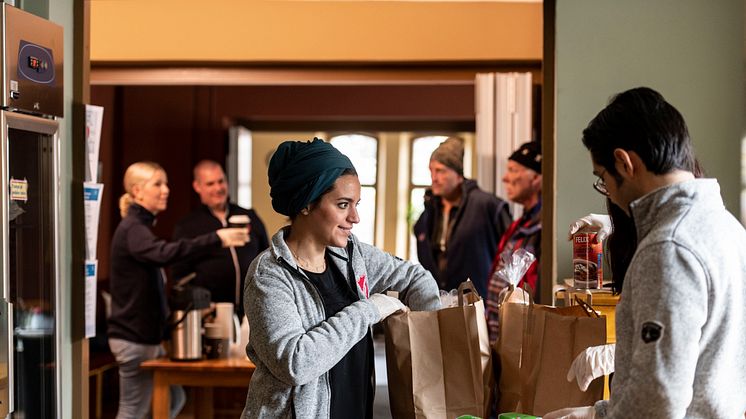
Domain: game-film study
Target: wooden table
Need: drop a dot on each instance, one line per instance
(203, 375)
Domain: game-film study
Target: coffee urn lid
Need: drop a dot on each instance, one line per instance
(190, 298)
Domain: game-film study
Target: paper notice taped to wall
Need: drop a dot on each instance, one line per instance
(94, 116)
(91, 268)
(92, 193)
(18, 189)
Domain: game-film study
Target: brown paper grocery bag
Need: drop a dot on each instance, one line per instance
(508, 348)
(552, 339)
(438, 363)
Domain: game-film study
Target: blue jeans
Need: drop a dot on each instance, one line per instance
(136, 385)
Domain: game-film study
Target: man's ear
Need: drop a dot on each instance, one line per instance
(623, 163)
(195, 186)
(536, 182)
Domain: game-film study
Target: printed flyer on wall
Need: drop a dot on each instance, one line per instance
(94, 116)
(92, 205)
(91, 266)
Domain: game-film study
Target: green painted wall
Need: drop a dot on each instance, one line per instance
(61, 13)
(692, 51)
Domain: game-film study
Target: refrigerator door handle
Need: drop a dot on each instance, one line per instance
(6, 358)
(11, 360)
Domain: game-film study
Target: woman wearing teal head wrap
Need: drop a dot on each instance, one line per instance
(299, 172)
(313, 296)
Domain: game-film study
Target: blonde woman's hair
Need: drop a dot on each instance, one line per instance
(136, 173)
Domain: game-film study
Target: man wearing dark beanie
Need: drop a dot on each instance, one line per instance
(522, 182)
(458, 233)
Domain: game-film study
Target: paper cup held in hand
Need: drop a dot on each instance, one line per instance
(240, 221)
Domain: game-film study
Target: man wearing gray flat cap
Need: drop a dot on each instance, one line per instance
(458, 233)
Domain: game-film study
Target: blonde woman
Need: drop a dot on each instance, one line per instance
(138, 304)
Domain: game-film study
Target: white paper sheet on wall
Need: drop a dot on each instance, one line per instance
(92, 193)
(91, 268)
(94, 116)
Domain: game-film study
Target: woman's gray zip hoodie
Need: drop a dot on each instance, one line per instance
(292, 344)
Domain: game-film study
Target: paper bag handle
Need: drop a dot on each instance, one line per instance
(571, 294)
(467, 294)
(505, 296)
(589, 311)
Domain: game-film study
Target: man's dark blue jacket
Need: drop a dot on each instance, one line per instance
(475, 230)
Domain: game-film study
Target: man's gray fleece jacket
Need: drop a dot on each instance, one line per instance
(681, 321)
(292, 344)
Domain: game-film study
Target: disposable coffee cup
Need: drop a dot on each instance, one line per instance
(215, 343)
(216, 348)
(215, 331)
(239, 221)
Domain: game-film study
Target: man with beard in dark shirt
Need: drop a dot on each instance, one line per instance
(220, 270)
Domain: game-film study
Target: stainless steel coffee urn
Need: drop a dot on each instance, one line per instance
(186, 332)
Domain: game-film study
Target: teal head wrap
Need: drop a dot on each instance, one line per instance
(299, 172)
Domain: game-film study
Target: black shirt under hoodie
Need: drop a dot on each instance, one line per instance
(138, 304)
(350, 379)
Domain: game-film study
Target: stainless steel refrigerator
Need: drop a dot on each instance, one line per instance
(32, 99)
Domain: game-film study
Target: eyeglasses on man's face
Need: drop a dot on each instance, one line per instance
(600, 185)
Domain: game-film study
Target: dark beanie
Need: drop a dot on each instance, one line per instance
(450, 153)
(300, 171)
(529, 155)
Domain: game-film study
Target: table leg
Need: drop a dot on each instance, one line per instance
(99, 393)
(161, 397)
(203, 403)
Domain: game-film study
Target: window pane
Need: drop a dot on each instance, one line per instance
(367, 212)
(415, 210)
(417, 204)
(244, 168)
(363, 152)
(422, 148)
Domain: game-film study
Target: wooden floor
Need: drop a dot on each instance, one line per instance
(228, 405)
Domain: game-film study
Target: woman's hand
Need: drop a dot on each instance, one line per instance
(599, 222)
(386, 305)
(233, 237)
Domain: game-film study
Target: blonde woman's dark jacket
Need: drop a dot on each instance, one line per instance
(138, 298)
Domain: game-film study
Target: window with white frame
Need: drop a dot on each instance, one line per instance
(240, 161)
(422, 148)
(363, 152)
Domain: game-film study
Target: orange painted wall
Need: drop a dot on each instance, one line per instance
(313, 31)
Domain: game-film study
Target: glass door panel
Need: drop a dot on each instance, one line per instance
(32, 273)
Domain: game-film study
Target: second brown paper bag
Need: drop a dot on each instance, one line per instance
(552, 339)
(508, 349)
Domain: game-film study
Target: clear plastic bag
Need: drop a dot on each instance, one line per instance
(448, 298)
(513, 265)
